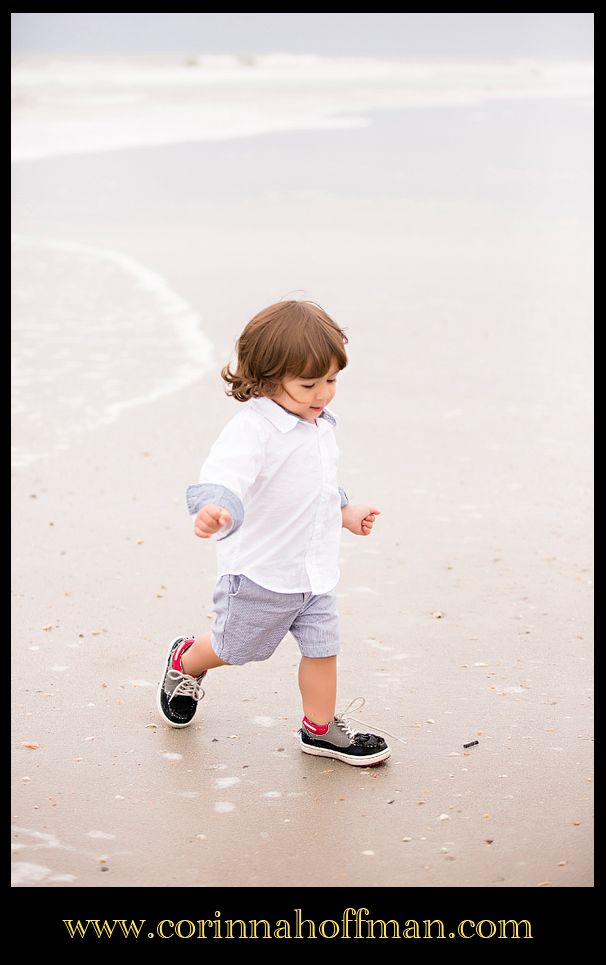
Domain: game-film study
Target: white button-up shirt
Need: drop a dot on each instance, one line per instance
(276, 474)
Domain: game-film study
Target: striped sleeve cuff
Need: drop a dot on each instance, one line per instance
(200, 494)
(344, 497)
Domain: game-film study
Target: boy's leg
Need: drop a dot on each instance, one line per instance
(200, 657)
(318, 686)
(324, 734)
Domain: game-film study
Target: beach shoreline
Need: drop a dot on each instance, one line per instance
(465, 413)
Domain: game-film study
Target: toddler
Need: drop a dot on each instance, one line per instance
(269, 495)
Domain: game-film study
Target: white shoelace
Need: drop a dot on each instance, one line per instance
(345, 726)
(187, 686)
(351, 732)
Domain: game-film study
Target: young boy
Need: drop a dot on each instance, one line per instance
(268, 493)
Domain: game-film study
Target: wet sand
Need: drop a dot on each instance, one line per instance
(465, 414)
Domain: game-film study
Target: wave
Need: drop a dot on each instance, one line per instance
(66, 105)
(95, 333)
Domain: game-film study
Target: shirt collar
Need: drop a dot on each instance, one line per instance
(282, 418)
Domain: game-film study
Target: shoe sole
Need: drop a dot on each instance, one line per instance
(368, 761)
(166, 720)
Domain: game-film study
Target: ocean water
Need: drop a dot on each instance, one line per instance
(95, 331)
(64, 105)
(88, 325)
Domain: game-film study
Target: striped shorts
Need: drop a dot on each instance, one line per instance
(250, 621)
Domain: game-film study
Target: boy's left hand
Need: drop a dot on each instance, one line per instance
(359, 519)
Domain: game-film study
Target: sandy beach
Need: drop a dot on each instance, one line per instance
(453, 242)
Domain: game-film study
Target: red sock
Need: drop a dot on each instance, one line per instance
(318, 729)
(178, 653)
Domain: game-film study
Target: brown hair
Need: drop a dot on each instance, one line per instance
(295, 339)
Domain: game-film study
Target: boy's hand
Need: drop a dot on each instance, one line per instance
(359, 519)
(210, 519)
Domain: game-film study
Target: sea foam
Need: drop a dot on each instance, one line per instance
(71, 105)
(94, 334)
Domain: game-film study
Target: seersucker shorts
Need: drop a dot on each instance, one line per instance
(250, 621)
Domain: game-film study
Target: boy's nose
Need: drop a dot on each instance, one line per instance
(325, 399)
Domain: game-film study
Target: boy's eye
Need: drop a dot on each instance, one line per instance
(312, 386)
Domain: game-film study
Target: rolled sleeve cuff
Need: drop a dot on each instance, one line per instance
(200, 494)
(344, 497)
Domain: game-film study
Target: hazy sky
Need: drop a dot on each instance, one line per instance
(557, 35)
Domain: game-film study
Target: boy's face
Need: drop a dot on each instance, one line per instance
(308, 397)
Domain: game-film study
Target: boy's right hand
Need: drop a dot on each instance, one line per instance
(209, 520)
